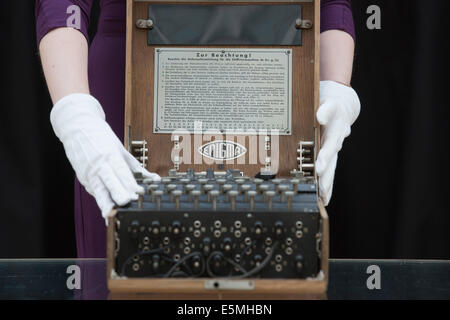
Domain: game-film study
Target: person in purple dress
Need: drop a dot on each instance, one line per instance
(87, 84)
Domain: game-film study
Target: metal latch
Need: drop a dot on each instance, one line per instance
(229, 284)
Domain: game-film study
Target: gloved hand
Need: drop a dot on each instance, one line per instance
(339, 108)
(100, 161)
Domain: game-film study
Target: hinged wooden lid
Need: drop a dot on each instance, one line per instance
(140, 96)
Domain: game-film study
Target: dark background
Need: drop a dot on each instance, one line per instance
(391, 189)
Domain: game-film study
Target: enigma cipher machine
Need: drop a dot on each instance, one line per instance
(220, 102)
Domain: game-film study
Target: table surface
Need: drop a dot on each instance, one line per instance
(348, 279)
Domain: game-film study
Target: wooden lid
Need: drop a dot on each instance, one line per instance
(283, 155)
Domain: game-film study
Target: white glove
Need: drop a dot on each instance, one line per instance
(339, 108)
(100, 161)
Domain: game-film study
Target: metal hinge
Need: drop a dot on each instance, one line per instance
(303, 24)
(139, 150)
(144, 24)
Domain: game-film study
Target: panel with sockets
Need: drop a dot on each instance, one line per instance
(220, 225)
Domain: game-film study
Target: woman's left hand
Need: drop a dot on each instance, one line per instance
(339, 108)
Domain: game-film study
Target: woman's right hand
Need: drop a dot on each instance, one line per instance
(102, 165)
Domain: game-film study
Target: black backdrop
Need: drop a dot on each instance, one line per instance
(392, 181)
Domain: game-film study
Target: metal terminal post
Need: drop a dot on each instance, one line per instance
(258, 183)
(233, 194)
(263, 189)
(151, 190)
(244, 189)
(165, 181)
(214, 194)
(221, 183)
(282, 189)
(203, 182)
(140, 199)
(276, 183)
(189, 189)
(185, 180)
(147, 181)
(196, 195)
(208, 188)
(267, 143)
(170, 188)
(289, 195)
(158, 195)
(226, 188)
(268, 163)
(176, 163)
(239, 183)
(139, 150)
(177, 195)
(251, 194)
(175, 139)
(305, 157)
(270, 195)
(295, 183)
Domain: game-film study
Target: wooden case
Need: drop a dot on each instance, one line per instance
(139, 124)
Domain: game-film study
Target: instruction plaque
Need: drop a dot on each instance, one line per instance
(223, 89)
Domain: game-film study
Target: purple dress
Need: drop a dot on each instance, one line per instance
(107, 83)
